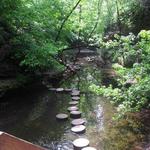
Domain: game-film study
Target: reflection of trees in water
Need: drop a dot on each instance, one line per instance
(37, 111)
(86, 77)
(82, 80)
(99, 112)
(47, 130)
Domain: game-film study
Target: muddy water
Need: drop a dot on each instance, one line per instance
(32, 117)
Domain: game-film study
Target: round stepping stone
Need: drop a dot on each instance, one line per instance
(59, 89)
(62, 116)
(75, 114)
(75, 93)
(78, 129)
(77, 122)
(75, 98)
(80, 143)
(75, 90)
(68, 90)
(52, 89)
(73, 108)
(73, 103)
(89, 148)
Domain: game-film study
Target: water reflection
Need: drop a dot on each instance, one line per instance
(103, 132)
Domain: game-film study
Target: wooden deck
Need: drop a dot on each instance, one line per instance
(9, 142)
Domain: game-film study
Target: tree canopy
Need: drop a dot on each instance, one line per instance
(36, 30)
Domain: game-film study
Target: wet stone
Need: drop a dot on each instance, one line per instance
(78, 129)
(62, 116)
(59, 89)
(75, 93)
(75, 98)
(80, 143)
(77, 122)
(75, 90)
(73, 108)
(67, 90)
(52, 89)
(89, 148)
(73, 103)
(75, 114)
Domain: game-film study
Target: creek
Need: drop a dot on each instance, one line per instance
(30, 115)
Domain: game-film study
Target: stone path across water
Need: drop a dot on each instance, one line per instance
(78, 123)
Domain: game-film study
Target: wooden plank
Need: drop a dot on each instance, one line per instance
(9, 142)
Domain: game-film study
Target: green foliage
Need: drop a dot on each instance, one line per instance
(30, 28)
(122, 49)
(133, 99)
(128, 50)
(128, 12)
(133, 89)
(109, 92)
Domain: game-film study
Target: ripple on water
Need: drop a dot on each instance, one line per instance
(56, 145)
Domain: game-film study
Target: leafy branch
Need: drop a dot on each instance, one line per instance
(65, 20)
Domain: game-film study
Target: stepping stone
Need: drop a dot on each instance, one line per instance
(62, 116)
(78, 129)
(75, 114)
(80, 143)
(89, 148)
(72, 108)
(75, 98)
(59, 89)
(75, 93)
(52, 89)
(77, 122)
(68, 90)
(75, 90)
(73, 103)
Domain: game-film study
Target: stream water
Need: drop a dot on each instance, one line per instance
(31, 116)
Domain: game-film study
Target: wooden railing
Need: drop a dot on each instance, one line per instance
(9, 142)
